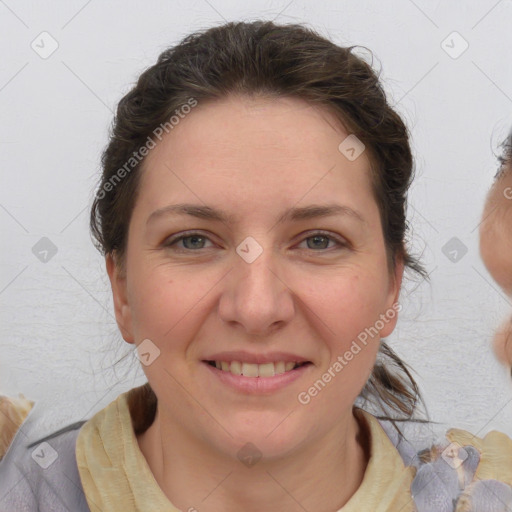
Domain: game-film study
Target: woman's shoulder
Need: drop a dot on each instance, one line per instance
(461, 472)
(38, 470)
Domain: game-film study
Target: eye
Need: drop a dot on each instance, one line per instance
(320, 239)
(193, 241)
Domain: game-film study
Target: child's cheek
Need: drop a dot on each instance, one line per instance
(496, 253)
(496, 234)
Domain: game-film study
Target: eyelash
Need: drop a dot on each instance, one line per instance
(170, 242)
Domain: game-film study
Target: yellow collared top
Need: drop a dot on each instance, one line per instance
(116, 476)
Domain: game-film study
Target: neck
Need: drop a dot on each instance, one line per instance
(320, 476)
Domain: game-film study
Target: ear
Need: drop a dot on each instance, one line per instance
(119, 293)
(390, 316)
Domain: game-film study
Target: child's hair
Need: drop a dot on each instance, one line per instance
(267, 60)
(505, 159)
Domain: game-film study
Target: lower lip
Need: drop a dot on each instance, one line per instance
(258, 385)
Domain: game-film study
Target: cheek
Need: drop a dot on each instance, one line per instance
(359, 318)
(496, 249)
(353, 302)
(158, 302)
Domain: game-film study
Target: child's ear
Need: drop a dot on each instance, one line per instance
(502, 343)
(117, 276)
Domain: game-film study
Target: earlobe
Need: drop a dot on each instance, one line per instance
(120, 298)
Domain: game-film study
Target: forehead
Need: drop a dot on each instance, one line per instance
(230, 128)
(257, 151)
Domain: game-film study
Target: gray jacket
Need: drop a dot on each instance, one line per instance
(39, 471)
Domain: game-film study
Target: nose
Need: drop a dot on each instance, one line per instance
(256, 295)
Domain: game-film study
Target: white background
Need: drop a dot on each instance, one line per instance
(58, 337)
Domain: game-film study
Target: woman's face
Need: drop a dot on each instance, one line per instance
(273, 282)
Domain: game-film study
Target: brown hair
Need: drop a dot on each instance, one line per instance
(262, 58)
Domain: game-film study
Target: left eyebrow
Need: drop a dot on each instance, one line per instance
(292, 214)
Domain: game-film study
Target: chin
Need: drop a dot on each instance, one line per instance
(279, 439)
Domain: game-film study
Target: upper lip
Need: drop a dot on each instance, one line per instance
(247, 357)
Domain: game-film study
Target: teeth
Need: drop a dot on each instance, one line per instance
(249, 370)
(279, 367)
(236, 368)
(288, 366)
(266, 370)
(255, 370)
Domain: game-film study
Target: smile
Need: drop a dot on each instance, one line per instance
(259, 379)
(256, 370)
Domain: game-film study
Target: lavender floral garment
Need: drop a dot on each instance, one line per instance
(451, 475)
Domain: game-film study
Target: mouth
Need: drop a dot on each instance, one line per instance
(256, 379)
(257, 370)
